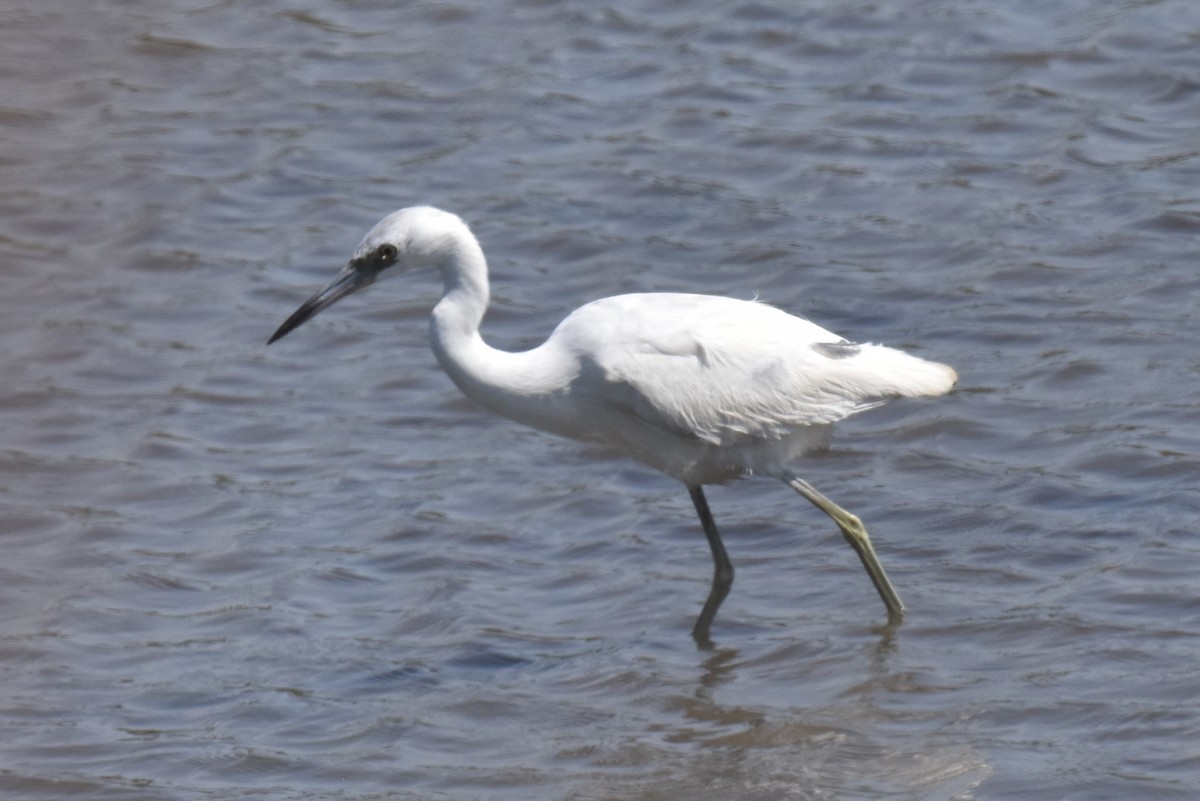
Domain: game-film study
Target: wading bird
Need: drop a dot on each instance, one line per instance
(703, 388)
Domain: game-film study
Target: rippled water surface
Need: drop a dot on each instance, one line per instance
(317, 572)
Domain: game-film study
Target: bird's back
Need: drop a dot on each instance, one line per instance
(740, 381)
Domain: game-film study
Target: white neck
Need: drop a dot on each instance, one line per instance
(526, 386)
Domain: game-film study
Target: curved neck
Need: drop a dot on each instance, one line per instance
(524, 386)
(454, 325)
(465, 296)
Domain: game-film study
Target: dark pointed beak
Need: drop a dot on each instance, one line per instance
(354, 276)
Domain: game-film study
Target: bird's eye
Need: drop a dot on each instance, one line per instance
(387, 252)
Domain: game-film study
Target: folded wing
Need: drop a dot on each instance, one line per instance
(725, 370)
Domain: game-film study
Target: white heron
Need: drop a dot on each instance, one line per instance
(704, 388)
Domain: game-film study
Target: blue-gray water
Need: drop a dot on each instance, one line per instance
(316, 572)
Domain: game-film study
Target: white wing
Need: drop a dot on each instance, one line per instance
(726, 370)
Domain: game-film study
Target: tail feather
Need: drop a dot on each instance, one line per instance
(884, 372)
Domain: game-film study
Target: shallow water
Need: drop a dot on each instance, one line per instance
(316, 571)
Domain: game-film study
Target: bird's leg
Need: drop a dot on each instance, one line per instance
(722, 567)
(855, 534)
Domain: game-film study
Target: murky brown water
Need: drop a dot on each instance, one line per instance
(315, 571)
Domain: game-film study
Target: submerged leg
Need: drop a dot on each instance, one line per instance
(722, 567)
(855, 534)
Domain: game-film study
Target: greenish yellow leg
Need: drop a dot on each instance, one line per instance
(855, 534)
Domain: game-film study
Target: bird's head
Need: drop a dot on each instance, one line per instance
(413, 237)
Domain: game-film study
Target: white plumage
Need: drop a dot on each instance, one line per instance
(703, 388)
